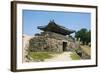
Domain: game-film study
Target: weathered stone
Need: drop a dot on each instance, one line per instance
(52, 42)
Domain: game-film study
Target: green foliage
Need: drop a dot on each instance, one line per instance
(77, 49)
(84, 35)
(88, 37)
(74, 56)
(39, 56)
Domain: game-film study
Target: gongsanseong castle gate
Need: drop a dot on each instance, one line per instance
(54, 38)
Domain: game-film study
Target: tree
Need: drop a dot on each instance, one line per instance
(84, 35)
(88, 37)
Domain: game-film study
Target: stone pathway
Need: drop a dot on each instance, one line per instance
(65, 56)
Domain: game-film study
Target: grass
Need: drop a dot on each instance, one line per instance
(74, 56)
(40, 56)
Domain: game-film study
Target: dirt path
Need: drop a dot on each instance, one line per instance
(60, 57)
(86, 49)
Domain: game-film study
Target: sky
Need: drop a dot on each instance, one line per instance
(72, 20)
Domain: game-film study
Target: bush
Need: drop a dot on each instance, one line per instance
(74, 56)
